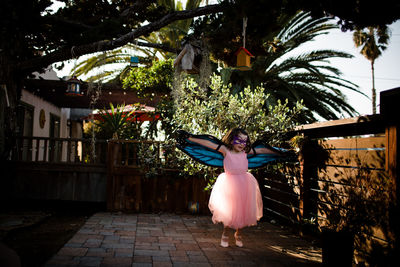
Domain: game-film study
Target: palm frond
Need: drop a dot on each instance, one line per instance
(307, 76)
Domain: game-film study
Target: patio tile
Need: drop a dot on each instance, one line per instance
(118, 239)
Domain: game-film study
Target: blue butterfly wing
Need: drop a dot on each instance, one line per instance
(261, 160)
(202, 154)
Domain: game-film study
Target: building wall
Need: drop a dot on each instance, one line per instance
(49, 109)
(39, 104)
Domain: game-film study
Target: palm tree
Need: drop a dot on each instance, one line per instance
(169, 37)
(116, 62)
(307, 77)
(373, 41)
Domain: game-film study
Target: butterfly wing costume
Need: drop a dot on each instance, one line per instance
(213, 158)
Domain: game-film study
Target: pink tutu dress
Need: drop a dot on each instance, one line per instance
(235, 199)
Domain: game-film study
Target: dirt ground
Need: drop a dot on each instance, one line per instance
(36, 230)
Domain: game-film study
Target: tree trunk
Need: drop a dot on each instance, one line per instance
(9, 96)
(373, 89)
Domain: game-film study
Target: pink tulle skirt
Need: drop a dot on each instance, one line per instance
(236, 200)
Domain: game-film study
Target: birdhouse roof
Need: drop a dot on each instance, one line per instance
(245, 50)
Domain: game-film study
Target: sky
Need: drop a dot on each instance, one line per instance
(356, 70)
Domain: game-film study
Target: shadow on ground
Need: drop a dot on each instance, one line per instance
(36, 230)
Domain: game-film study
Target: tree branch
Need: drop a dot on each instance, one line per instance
(105, 45)
(130, 11)
(158, 46)
(54, 18)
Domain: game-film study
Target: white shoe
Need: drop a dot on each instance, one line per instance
(224, 241)
(238, 240)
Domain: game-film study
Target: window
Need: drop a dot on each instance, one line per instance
(25, 120)
(25, 128)
(55, 145)
(54, 126)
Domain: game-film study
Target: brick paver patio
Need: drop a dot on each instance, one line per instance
(118, 239)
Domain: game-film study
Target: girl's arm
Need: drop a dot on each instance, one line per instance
(264, 150)
(209, 144)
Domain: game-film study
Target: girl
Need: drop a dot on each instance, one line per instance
(235, 199)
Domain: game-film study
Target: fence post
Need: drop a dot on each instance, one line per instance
(308, 179)
(392, 161)
(389, 110)
(111, 158)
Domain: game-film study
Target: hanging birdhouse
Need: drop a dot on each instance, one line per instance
(134, 62)
(190, 56)
(74, 87)
(243, 59)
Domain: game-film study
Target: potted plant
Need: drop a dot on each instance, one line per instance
(114, 120)
(353, 208)
(337, 242)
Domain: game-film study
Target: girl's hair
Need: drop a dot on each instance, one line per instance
(232, 133)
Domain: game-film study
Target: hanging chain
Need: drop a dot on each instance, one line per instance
(75, 58)
(244, 31)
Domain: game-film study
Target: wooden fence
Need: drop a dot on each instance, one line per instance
(56, 169)
(138, 180)
(346, 177)
(128, 175)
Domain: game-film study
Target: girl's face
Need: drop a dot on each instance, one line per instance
(239, 142)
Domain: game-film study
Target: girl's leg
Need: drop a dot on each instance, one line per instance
(238, 238)
(225, 231)
(225, 238)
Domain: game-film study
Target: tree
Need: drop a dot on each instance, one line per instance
(373, 41)
(156, 79)
(33, 38)
(217, 110)
(168, 38)
(307, 77)
(105, 66)
(266, 18)
(173, 34)
(354, 13)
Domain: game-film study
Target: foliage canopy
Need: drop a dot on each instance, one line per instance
(217, 110)
(34, 37)
(157, 78)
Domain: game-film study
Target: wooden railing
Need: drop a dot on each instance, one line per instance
(67, 150)
(136, 153)
(56, 169)
(280, 188)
